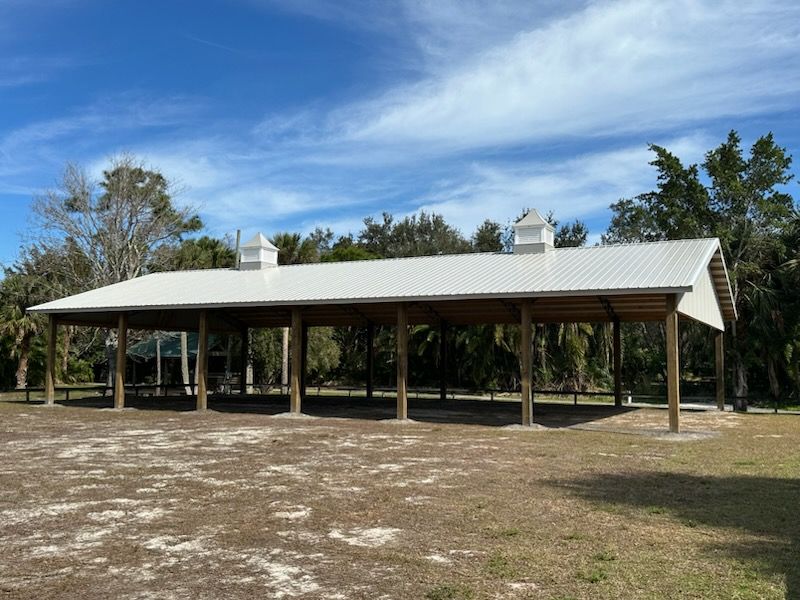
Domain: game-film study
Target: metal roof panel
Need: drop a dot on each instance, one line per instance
(620, 268)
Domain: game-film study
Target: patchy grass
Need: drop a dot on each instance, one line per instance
(169, 504)
(450, 592)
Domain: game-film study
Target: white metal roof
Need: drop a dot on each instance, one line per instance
(672, 266)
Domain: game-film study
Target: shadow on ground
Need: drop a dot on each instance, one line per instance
(764, 508)
(471, 412)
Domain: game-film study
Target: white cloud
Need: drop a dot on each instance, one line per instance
(49, 142)
(633, 65)
(495, 85)
(582, 187)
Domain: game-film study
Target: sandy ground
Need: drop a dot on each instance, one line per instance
(170, 504)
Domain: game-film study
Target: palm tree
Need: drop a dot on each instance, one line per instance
(18, 292)
(573, 339)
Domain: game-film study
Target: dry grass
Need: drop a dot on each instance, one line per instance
(168, 504)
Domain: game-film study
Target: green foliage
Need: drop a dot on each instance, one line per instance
(500, 567)
(488, 237)
(571, 235)
(24, 285)
(294, 249)
(323, 354)
(450, 592)
(203, 253)
(746, 205)
(112, 231)
(421, 234)
(265, 348)
(345, 249)
(595, 575)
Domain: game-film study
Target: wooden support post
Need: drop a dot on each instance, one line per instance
(719, 351)
(402, 360)
(525, 364)
(122, 353)
(50, 372)
(370, 359)
(201, 366)
(617, 364)
(295, 395)
(443, 360)
(304, 362)
(673, 364)
(243, 362)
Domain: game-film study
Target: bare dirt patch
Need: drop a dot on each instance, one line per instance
(159, 504)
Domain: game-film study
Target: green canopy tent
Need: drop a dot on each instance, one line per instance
(170, 346)
(164, 346)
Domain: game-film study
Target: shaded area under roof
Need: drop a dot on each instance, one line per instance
(170, 345)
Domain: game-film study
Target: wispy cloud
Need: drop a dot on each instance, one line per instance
(611, 68)
(52, 141)
(213, 44)
(513, 104)
(16, 71)
(580, 187)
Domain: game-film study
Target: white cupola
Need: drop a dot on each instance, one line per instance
(533, 234)
(259, 253)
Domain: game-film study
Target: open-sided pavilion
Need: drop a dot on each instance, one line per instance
(536, 283)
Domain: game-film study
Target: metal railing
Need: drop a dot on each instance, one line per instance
(452, 393)
(105, 389)
(434, 392)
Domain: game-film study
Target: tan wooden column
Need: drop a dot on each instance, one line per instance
(525, 364)
(719, 351)
(201, 367)
(370, 359)
(402, 360)
(50, 369)
(295, 387)
(673, 364)
(122, 355)
(617, 364)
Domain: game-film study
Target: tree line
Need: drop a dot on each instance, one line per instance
(91, 234)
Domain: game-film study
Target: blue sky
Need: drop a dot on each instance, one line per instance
(288, 114)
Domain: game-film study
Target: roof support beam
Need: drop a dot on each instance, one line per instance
(352, 310)
(719, 351)
(608, 308)
(430, 310)
(235, 323)
(201, 368)
(673, 364)
(512, 309)
(402, 361)
(295, 397)
(119, 367)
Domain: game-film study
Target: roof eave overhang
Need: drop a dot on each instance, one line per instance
(44, 309)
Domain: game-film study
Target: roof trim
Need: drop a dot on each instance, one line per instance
(381, 300)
